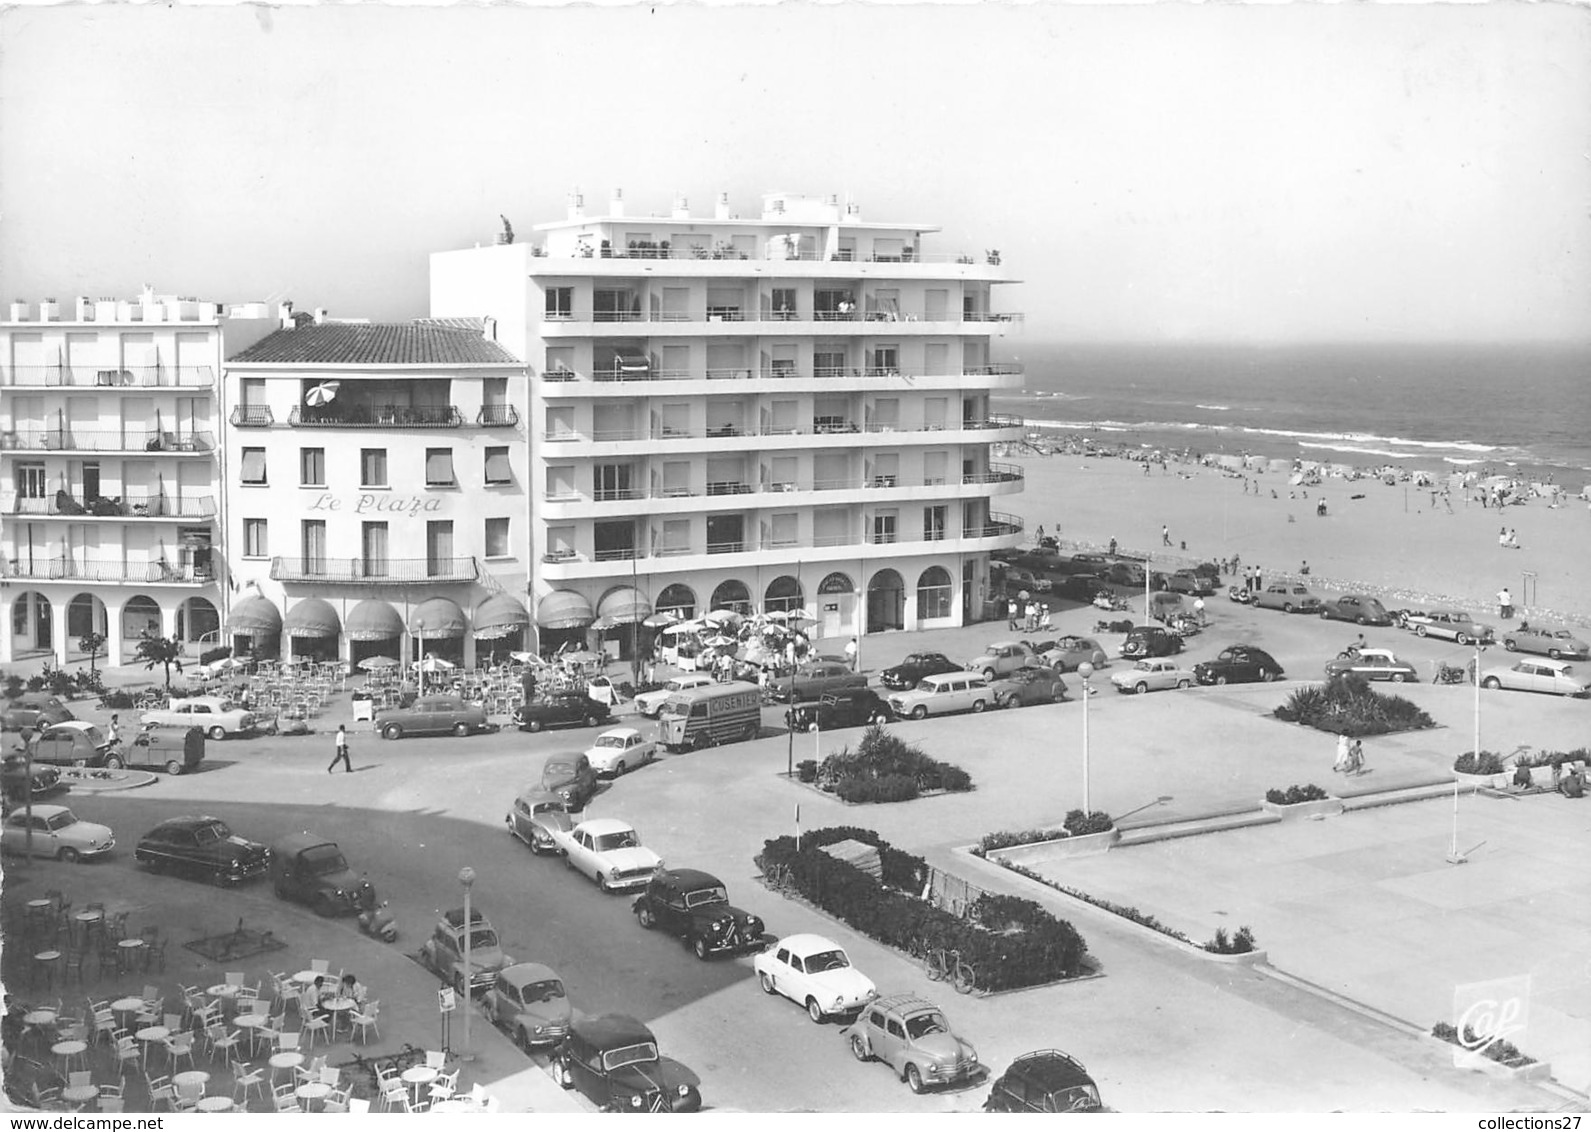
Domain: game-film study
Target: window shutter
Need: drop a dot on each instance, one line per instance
(254, 465)
(439, 467)
(497, 468)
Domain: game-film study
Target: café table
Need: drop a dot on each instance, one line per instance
(79, 1094)
(223, 990)
(215, 1104)
(39, 1020)
(288, 1059)
(132, 1004)
(191, 1078)
(67, 1050)
(85, 922)
(418, 1077)
(151, 1035)
(127, 952)
(311, 1091)
(338, 1007)
(304, 979)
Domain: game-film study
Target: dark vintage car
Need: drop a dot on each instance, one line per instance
(695, 906)
(1190, 582)
(1358, 608)
(311, 870)
(559, 709)
(203, 847)
(570, 777)
(908, 672)
(1032, 685)
(1082, 587)
(528, 1001)
(1125, 574)
(851, 707)
(613, 1060)
(1045, 1080)
(1150, 640)
(432, 715)
(14, 780)
(1086, 562)
(815, 678)
(1239, 664)
(32, 709)
(536, 815)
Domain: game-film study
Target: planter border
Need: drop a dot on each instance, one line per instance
(1062, 848)
(1329, 806)
(1480, 1063)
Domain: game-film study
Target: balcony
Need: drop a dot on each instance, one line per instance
(997, 473)
(156, 506)
(138, 377)
(497, 416)
(580, 324)
(253, 416)
(374, 571)
(106, 570)
(778, 373)
(747, 438)
(386, 417)
(642, 250)
(998, 526)
(108, 440)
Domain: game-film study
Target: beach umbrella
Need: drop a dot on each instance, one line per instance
(524, 657)
(436, 664)
(321, 394)
(800, 615)
(372, 663)
(719, 641)
(722, 617)
(776, 615)
(582, 656)
(659, 620)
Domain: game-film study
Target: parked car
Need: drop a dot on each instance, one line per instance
(721, 713)
(1045, 1080)
(613, 1060)
(56, 833)
(694, 906)
(529, 1002)
(1239, 664)
(1085, 562)
(1150, 640)
(650, 703)
(1358, 608)
(535, 816)
(1289, 597)
(435, 715)
(1559, 644)
(609, 851)
(14, 780)
(1190, 582)
(1025, 686)
(443, 953)
(216, 716)
(815, 678)
(1067, 652)
(619, 750)
(309, 869)
(912, 1036)
(1153, 675)
(1002, 658)
(202, 846)
(849, 708)
(1450, 625)
(917, 665)
(75, 743)
(1083, 587)
(1555, 677)
(557, 709)
(1019, 578)
(32, 709)
(570, 777)
(943, 694)
(1373, 664)
(815, 972)
(1125, 574)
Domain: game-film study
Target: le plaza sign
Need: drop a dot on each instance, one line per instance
(370, 503)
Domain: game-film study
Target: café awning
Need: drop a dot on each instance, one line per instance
(500, 615)
(563, 609)
(254, 616)
(437, 617)
(313, 617)
(624, 605)
(374, 620)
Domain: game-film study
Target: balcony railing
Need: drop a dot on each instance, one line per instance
(144, 377)
(106, 570)
(253, 416)
(390, 416)
(775, 373)
(820, 426)
(1000, 473)
(997, 473)
(618, 554)
(997, 525)
(116, 507)
(107, 440)
(729, 546)
(608, 495)
(497, 416)
(658, 250)
(729, 487)
(374, 571)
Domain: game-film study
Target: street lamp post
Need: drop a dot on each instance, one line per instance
(1454, 857)
(467, 879)
(1085, 670)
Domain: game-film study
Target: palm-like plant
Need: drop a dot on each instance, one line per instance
(164, 651)
(91, 643)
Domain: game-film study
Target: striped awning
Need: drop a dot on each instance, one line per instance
(499, 616)
(624, 605)
(564, 609)
(437, 617)
(374, 620)
(254, 616)
(313, 617)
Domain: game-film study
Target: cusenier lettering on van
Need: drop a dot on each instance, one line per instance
(702, 717)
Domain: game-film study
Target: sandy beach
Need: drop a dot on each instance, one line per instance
(1391, 541)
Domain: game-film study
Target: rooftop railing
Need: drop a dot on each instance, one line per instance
(374, 570)
(658, 250)
(375, 416)
(187, 377)
(73, 439)
(737, 314)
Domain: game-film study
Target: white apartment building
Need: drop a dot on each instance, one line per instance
(789, 411)
(376, 491)
(110, 499)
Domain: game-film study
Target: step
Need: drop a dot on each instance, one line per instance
(1193, 827)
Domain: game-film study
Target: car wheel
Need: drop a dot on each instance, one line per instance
(1220, 679)
(114, 763)
(392, 731)
(914, 1079)
(766, 980)
(216, 734)
(813, 726)
(1419, 630)
(920, 711)
(602, 883)
(593, 720)
(1491, 682)
(879, 718)
(644, 917)
(1555, 654)
(1397, 677)
(533, 725)
(1512, 647)
(458, 983)
(565, 1078)
(1361, 620)
(701, 740)
(988, 674)
(462, 730)
(324, 906)
(173, 767)
(1462, 638)
(68, 855)
(1287, 607)
(978, 706)
(271, 730)
(859, 1048)
(1141, 687)
(523, 1039)
(1264, 676)
(814, 1011)
(699, 946)
(1182, 683)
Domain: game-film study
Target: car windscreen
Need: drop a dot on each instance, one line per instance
(612, 741)
(624, 839)
(215, 831)
(325, 859)
(557, 772)
(826, 961)
(706, 896)
(930, 1022)
(483, 939)
(927, 686)
(62, 820)
(547, 990)
(1073, 1099)
(629, 1055)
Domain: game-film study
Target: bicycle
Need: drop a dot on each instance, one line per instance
(947, 966)
(779, 878)
(405, 1058)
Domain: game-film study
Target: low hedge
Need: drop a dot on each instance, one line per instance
(1554, 759)
(886, 768)
(1348, 705)
(1010, 942)
(210, 656)
(1295, 795)
(1487, 762)
(1498, 1050)
(1077, 824)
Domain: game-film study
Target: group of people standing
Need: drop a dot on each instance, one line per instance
(1033, 619)
(1253, 581)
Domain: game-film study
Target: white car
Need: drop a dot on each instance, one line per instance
(1553, 676)
(56, 833)
(1152, 675)
(814, 971)
(1449, 625)
(619, 750)
(215, 716)
(650, 703)
(609, 851)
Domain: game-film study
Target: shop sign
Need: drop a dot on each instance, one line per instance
(373, 504)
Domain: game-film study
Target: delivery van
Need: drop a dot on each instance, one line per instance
(719, 713)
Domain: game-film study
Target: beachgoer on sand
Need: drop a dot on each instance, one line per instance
(1165, 535)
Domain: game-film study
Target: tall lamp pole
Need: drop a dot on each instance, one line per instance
(1454, 857)
(467, 879)
(1085, 670)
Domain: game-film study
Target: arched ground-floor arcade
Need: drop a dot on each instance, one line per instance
(46, 619)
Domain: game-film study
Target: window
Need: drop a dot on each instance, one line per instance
(314, 546)
(560, 302)
(439, 468)
(828, 363)
(560, 422)
(31, 481)
(253, 466)
(252, 390)
(612, 481)
(439, 548)
(784, 303)
(372, 467)
(497, 470)
(934, 592)
(497, 538)
(885, 361)
(373, 547)
(312, 467)
(255, 542)
(614, 540)
(561, 483)
(560, 363)
(726, 534)
(884, 526)
(934, 523)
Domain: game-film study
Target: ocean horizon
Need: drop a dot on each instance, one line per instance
(1513, 409)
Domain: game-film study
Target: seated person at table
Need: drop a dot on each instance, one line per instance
(1571, 785)
(354, 989)
(323, 989)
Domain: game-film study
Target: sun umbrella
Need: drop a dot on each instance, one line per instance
(436, 664)
(800, 615)
(659, 620)
(776, 615)
(322, 393)
(371, 663)
(722, 616)
(581, 657)
(1022, 595)
(524, 657)
(719, 642)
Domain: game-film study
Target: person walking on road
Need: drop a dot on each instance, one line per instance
(1012, 612)
(1198, 609)
(1165, 535)
(852, 649)
(342, 752)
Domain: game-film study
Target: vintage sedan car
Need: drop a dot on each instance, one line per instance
(814, 680)
(613, 1060)
(1085, 562)
(1025, 686)
(911, 1035)
(1124, 574)
(536, 815)
(943, 694)
(433, 715)
(1153, 675)
(1069, 651)
(75, 742)
(570, 777)
(1373, 664)
(1554, 677)
(1023, 578)
(1190, 582)
(609, 851)
(1450, 625)
(908, 672)
(1083, 587)
(1239, 664)
(1358, 608)
(1289, 597)
(1559, 644)
(309, 869)
(32, 709)
(218, 718)
(14, 780)
(815, 972)
(1150, 640)
(619, 750)
(650, 703)
(56, 833)
(443, 953)
(528, 1001)
(851, 707)
(695, 907)
(559, 709)
(204, 847)
(1002, 658)
(1045, 1080)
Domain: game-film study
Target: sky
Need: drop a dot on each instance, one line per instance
(1151, 172)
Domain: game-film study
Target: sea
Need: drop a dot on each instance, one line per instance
(1516, 410)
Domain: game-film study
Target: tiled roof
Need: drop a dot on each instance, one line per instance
(433, 341)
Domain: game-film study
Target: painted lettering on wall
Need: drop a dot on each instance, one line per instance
(372, 504)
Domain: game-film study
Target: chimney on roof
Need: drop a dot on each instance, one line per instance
(285, 313)
(489, 328)
(320, 316)
(616, 203)
(577, 205)
(19, 310)
(682, 207)
(85, 309)
(721, 209)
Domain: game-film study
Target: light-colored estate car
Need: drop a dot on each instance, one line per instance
(1449, 625)
(1373, 664)
(215, 716)
(1289, 597)
(942, 694)
(1155, 674)
(56, 833)
(815, 972)
(1559, 644)
(609, 851)
(619, 750)
(529, 1002)
(650, 703)
(1554, 677)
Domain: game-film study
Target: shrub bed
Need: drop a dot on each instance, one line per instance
(1349, 706)
(210, 656)
(1294, 795)
(1502, 1052)
(1010, 942)
(1487, 762)
(1554, 759)
(117, 700)
(886, 768)
(1077, 824)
